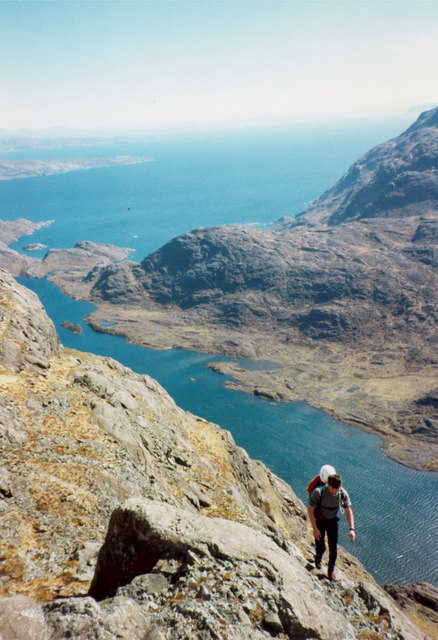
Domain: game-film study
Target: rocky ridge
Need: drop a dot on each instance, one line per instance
(202, 541)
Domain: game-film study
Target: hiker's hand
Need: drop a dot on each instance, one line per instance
(317, 534)
(352, 535)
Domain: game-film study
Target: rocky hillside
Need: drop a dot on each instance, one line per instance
(122, 516)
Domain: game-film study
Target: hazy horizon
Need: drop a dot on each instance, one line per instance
(122, 65)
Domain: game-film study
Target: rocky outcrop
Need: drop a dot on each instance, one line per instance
(321, 285)
(420, 601)
(202, 541)
(11, 230)
(224, 576)
(83, 256)
(15, 263)
(77, 261)
(28, 337)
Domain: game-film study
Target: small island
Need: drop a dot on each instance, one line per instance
(74, 328)
(34, 246)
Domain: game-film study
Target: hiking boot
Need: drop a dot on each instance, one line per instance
(318, 562)
(331, 574)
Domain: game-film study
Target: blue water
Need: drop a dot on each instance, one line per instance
(208, 179)
(253, 178)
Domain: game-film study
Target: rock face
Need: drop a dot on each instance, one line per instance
(418, 600)
(29, 339)
(202, 541)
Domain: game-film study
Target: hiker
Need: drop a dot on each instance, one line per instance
(325, 503)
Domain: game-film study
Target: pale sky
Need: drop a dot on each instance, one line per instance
(129, 64)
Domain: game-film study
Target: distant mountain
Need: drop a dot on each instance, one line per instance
(397, 178)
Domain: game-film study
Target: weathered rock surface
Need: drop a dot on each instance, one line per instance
(28, 338)
(419, 600)
(219, 569)
(22, 619)
(203, 542)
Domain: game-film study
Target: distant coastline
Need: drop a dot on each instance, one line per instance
(32, 168)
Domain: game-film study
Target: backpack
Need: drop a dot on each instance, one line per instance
(315, 482)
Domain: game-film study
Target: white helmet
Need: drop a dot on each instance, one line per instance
(326, 471)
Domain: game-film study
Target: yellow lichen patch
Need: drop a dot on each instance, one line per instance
(20, 539)
(211, 444)
(209, 441)
(21, 534)
(370, 635)
(61, 488)
(12, 569)
(78, 423)
(46, 589)
(422, 622)
(225, 508)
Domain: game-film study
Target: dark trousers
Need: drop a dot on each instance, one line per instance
(329, 527)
